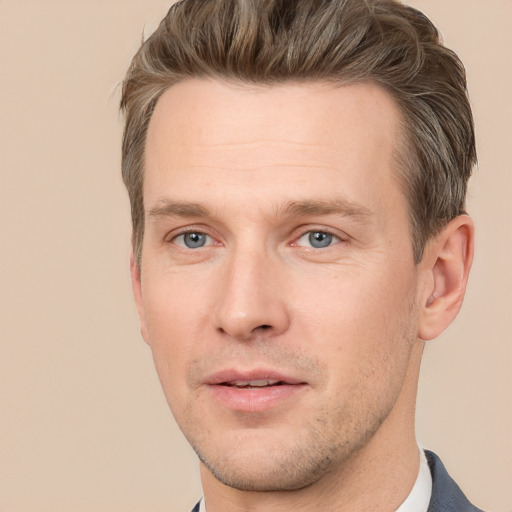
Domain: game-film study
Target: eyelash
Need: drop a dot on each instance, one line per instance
(209, 239)
(183, 234)
(334, 238)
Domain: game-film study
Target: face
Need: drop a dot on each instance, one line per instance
(277, 288)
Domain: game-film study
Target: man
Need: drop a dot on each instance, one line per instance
(297, 175)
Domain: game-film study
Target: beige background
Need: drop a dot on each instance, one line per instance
(83, 423)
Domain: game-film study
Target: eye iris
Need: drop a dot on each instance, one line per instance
(319, 239)
(194, 240)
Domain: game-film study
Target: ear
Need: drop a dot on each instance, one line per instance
(137, 294)
(447, 262)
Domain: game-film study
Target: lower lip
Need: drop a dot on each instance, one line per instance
(255, 399)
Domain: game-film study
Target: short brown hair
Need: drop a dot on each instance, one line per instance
(342, 41)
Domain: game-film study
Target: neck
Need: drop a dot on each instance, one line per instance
(379, 476)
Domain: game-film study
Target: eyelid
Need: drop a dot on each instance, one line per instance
(182, 244)
(307, 245)
(214, 240)
(180, 232)
(305, 230)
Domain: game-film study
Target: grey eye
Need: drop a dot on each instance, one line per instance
(319, 239)
(194, 240)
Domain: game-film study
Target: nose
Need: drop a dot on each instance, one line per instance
(252, 299)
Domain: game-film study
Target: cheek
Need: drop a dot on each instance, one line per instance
(366, 352)
(352, 299)
(174, 302)
(361, 323)
(171, 316)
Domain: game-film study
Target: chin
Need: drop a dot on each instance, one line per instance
(273, 474)
(264, 464)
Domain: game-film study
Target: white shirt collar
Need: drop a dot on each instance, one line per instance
(419, 497)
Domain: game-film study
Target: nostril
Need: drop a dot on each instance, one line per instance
(265, 327)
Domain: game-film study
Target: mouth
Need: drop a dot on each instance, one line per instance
(255, 378)
(254, 391)
(253, 384)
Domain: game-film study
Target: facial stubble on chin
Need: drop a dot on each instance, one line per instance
(303, 464)
(304, 457)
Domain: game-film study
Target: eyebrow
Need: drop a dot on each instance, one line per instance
(165, 208)
(328, 207)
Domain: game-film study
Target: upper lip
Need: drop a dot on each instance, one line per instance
(231, 376)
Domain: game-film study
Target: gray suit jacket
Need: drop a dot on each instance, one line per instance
(446, 494)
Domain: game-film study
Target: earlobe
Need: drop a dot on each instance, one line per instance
(447, 262)
(137, 294)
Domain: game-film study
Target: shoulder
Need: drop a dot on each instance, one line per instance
(446, 494)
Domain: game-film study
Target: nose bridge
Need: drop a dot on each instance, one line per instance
(250, 301)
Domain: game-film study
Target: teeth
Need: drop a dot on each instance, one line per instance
(254, 383)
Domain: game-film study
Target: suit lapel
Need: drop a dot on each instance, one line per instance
(446, 494)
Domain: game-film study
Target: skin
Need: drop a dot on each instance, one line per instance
(252, 172)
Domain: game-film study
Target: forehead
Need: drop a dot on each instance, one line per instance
(204, 130)
(187, 111)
